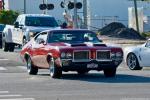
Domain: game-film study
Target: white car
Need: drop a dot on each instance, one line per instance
(137, 57)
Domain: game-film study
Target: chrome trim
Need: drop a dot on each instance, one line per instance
(103, 59)
(84, 60)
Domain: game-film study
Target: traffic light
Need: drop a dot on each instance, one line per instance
(79, 5)
(71, 5)
(42, 6)
(50, 6)
(62, 4)
(46, 6)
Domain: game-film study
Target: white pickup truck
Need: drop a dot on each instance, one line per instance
(25, 27)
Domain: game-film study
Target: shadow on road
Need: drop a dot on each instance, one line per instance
(120, 78)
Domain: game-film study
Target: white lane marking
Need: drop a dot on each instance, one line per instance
(19, 99)
(10, 95)
(3, 59)
(22, 67)
(2, 68)
(1, 92)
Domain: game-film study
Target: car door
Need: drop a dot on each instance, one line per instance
(18, 31)
(39, 51)
(145, 54)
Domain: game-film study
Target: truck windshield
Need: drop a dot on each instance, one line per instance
(41, 21)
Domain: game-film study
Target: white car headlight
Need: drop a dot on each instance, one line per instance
(118, 54)
(68, 55)
(31, 34)
(113, 54)
(63, 55)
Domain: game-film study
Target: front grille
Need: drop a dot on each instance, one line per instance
(81, 56)
(103, 55)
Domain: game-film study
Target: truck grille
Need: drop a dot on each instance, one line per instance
(81, 56)
(103, 55)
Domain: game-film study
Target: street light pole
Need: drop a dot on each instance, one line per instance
(136, 15)
(75, 16)
(85, 13)
(24, 6)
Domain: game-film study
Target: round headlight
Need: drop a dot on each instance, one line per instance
(63, 55)
(113, 54)
(68, 55)
(118, 54)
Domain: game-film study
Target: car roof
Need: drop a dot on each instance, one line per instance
(36, 15)
(55, 30)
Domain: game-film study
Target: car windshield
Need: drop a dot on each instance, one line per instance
(73, 37)
(41, 21)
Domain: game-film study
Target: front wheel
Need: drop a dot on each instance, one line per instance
(110, 72)
(132, 62)
(32, 70)
(55, 72)
(5, 46)
(11, 47)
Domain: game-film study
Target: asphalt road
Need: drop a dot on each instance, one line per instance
(16, 84)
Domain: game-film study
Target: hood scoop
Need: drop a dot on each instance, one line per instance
(102, 45)
(75, 45)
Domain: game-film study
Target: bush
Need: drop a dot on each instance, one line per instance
(8, 16)
(146, 34)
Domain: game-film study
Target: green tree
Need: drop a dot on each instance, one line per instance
(8, 16)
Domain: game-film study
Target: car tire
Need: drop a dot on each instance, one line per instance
(55, 72)
(132, 62)
(110, 72)
(32, 70)
(5, 46)
(11, 47)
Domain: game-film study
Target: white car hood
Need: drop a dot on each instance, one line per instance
(39, 29)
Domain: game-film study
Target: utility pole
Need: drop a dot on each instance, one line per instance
(75, 25)
(44, 11)
(3, 4)
(136, 15)
(85, 13)
(24, 6)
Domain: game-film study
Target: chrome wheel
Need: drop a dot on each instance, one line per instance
(32, 70)
(52, 68)
(55, 72)
(132, 62)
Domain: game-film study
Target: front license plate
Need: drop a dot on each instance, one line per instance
(92, 65)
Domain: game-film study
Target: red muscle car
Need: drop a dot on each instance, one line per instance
(70, 50)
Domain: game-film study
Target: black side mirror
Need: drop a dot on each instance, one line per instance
(16, 25)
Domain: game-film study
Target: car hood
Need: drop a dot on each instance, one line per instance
(39, 29)
(62, 45)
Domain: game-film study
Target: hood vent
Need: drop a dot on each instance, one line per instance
(103, 45)
(75, 45)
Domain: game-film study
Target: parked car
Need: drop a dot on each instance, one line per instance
(25, 27)
(137, 57)
(2, 26)
(70, 50)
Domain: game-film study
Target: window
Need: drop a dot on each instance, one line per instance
(41, 21)
(73, 37)
(41, 37)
